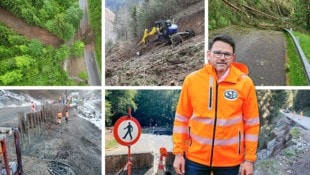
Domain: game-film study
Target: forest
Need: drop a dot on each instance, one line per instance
(61, 18)
(29, 62)
(150, 107)
(286, 12)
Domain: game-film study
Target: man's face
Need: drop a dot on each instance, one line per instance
(221, 56)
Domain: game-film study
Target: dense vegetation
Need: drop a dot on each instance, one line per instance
(150, 107)
(304, 42)
(95, 22)
(302, 103)
(292, 12)
(25, 62)
(60, 17)
(294, 66)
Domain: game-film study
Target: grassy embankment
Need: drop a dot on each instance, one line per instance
(296, 73)
(95, 22)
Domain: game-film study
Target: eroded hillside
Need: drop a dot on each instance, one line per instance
(159, 64)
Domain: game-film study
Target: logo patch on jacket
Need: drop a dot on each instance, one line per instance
(231, 94)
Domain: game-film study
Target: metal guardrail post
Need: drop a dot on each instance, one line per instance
(301, 54)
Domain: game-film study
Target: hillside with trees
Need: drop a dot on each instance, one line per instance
(128, 62)
(61, 18)
(260, 13)
(39, 38)
(29, 62)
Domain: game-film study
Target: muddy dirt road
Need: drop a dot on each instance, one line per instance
(76, 144)
(263, 51)
(31, 32)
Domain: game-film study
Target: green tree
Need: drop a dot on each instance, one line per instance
(60, 27)
(77, 48)
(23, 61)
(156, 107)
(120, 101)
(134, 21)
(62, 53)
(11, 77)
(74, 15)
(36, 48)
(301, 100)
(301, 15)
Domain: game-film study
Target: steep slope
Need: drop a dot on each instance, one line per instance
(159, 64)
(31, 32)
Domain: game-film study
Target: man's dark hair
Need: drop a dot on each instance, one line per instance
(224, 38)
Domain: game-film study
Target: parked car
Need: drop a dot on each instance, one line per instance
(287, 110)
(162, 131)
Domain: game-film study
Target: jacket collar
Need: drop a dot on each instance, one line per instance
(235, 71)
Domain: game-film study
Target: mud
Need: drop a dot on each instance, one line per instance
(31, 32)
(159, 64)
(65, 149)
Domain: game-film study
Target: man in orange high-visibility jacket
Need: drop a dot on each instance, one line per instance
(67, 116)
(59, 117)
(216, 124)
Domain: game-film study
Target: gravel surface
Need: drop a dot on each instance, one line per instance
(76, 144)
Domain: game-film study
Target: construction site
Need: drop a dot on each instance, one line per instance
(47, 136)
(164, 54)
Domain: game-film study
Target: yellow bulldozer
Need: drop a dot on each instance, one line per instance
(167, 32)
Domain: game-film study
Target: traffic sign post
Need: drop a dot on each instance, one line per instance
(127, 131)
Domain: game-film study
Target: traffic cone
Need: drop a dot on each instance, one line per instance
(161, 169)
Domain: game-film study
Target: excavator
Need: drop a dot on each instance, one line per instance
(8, 167)
(167, 32)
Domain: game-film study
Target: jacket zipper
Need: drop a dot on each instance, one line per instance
(239, 143)
(214, 126)
(210, 93)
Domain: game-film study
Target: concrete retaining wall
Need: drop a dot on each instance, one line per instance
(114, 163)
(141, 161)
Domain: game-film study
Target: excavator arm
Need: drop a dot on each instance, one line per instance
(147, 34)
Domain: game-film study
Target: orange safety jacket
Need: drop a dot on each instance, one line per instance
(217, 122)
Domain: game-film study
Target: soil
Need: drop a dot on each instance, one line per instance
(263, 51)
(301, 165)
(79, 148)
(159, 64)
(31, 32)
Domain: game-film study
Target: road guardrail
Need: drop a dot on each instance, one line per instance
(301, 54)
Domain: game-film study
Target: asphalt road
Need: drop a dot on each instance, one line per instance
(302, 120)
(11, 114)
(89, 51)
(263, 51)
(90, 60)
